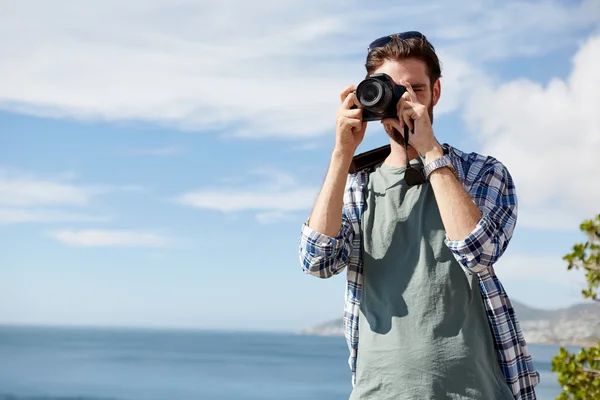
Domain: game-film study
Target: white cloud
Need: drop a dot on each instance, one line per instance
(28, 197)
(19, 215)
(271, 217)
(483, 31)
(549, 138)
(233, 200)
(110, 238)
(530, 277)
(20, 189)
(158, 151)
(272, 200)
(548, 268)
(252, 68)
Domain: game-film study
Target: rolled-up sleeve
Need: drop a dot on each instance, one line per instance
(325, 256)
(493, 191)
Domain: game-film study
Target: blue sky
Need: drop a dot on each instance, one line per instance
(157, 159)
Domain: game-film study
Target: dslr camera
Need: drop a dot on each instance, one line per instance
(379, 95)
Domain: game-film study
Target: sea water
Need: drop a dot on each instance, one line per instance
(95, 364)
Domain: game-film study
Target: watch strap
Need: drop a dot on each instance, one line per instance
(443, 161)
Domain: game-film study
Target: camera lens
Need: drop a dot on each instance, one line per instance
(373, 95)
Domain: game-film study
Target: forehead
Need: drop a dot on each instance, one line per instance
(410, 70)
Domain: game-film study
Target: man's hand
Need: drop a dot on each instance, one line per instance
(326, 216)
(350, 130)
(416, 116)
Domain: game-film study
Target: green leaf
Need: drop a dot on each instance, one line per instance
(574, 371)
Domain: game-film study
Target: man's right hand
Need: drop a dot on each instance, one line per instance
(326, 216)
(350, 129)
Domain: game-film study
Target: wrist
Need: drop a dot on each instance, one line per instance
(342, 158)
(343, 153)
(435, 152)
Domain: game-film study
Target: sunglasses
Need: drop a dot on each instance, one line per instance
(382, 41)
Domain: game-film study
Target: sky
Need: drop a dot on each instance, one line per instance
(158, 157)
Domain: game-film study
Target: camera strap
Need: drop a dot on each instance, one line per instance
(412, 175)
(370, 159)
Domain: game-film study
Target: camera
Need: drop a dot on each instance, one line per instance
(379, 95)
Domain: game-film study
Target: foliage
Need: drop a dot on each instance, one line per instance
(579, 374)
(586, 256)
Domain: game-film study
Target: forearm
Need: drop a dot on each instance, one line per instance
(326, 216)
(459, 213)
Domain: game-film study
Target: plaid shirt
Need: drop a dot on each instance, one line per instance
(492, 189)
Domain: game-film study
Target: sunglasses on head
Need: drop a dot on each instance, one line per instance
(382, 41)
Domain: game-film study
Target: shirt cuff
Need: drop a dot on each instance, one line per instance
(476, 250)
(319, 244)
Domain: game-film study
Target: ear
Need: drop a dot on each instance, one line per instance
(436, 92)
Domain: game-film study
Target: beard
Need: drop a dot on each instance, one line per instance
(397, 136)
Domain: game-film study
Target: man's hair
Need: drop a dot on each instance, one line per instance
(399, 49)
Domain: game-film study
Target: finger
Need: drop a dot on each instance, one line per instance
(408, 116)
(363, 127)
(410, 93)
(350, 101)
(406, 99)
(408, 122)
(414, 109)
(400, 108)
(354, 113)
(402, 104)
(354, 124)
(346, 92)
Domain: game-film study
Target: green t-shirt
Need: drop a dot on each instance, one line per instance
(423, 330)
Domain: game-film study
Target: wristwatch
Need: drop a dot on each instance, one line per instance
(443, 161)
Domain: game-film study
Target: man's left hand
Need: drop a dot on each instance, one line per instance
(415, 115)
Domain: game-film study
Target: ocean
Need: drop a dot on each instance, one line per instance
(103, 364)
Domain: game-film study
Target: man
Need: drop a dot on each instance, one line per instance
(433, 319)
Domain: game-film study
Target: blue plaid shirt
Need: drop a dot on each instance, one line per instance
(492, 189)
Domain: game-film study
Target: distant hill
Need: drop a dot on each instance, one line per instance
(578, 325)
